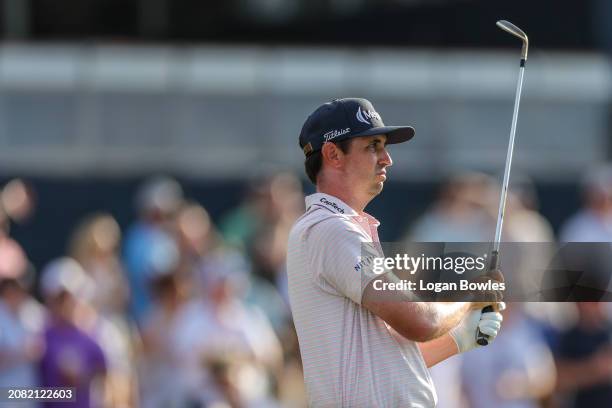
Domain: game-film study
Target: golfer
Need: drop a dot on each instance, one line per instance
(358, 349)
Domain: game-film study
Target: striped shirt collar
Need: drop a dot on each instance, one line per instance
(337, 206)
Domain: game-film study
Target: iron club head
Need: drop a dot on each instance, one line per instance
(517, 32)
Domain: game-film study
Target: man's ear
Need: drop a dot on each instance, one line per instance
(332, 154)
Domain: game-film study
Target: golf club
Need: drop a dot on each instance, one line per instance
(482, 339)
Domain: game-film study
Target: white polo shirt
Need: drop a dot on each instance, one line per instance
(351, 358)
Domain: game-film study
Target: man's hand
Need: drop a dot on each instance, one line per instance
(464, 334)
(497, 306)
(496, 275)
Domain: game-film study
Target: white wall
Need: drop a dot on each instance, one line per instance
(220, 112)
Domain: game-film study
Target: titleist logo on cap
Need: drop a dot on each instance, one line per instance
(332, 134)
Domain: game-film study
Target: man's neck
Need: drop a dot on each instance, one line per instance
(346, 195)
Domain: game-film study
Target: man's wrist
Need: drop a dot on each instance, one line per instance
(455, 342)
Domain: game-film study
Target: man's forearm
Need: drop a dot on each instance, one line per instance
(445, 316)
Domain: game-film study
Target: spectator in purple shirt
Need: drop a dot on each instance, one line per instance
(72, 358)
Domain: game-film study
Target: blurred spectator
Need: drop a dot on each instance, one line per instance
(466, 211)
(593, 223)
(196, 237)
(18, 200)
(21, 321)
(260, 226)
(149, 244)
(217, 334)
(13, 260)
(584, 358)
(161, 380)
(461, 213)
(95, 245)
(4, 222)
(531, 236)
(72, 358)
(291, 387)
(523, 222)
(590, 225)
(446, 377)
(200, 245)
(552, 318)
(516, 371)
(266, 297)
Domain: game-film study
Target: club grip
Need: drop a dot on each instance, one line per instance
(494, 264)
(481, 338)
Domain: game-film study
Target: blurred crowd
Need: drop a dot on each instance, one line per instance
(174, 312)
(181, 311)
(548, 354)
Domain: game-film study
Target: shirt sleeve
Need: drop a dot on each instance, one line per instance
(342, 256)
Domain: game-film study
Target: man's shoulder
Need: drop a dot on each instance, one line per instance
(323, 224)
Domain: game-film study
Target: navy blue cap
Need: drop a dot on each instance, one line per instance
(346, 118)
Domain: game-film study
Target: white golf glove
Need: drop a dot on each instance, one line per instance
(465, 332)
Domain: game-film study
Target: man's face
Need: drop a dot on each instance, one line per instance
(366, 163)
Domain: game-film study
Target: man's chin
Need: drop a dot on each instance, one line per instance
(378, 187)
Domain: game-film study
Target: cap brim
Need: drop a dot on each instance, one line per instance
(395, 134)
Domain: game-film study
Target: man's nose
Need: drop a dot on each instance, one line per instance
(386, 158)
